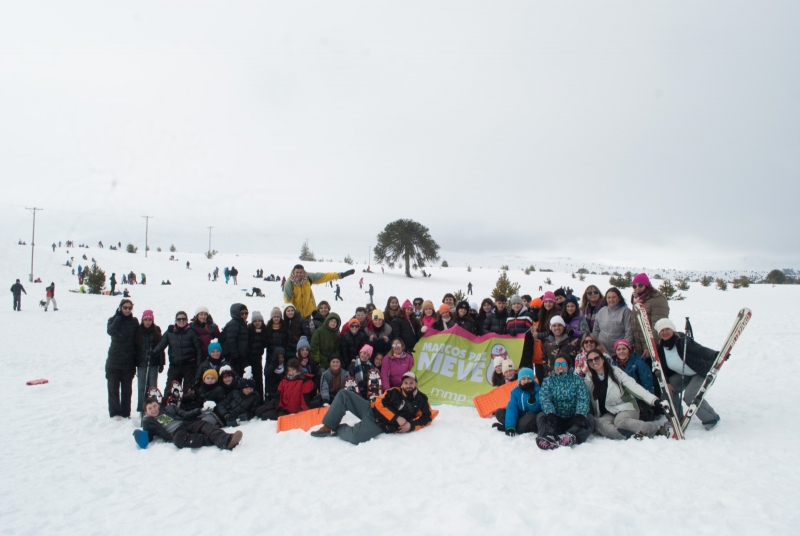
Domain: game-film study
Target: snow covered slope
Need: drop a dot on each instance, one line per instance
(68, 469)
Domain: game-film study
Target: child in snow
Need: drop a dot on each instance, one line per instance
(519, 416)
(208, 390)
(183, 428)
(240, 404)
(360, 371)
(227, 379)
(292, 393)
(215, 361)
(509, 371)
(497, 377)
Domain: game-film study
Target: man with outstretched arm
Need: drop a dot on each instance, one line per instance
(297, 289)
(400, 410)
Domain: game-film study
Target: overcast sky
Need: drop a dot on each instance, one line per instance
(617, 131)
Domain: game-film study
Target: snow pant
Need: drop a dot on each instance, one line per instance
(614, 426)
(235, 280)
(50, 299)
(112, 289)
(17, 303)
(358, 433)
(270, 411)
(200, 433)
(564, 426)
(525, 424)
(144, 382)
(238, 364)
(469, 291)
(182, 372)
(258, 376)
(119, 404)
(337, 297)
(691, 384)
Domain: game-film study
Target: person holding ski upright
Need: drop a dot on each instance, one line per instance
(656, 307)
(400, 410)
(148, 364)
(519, 416)
(686, 364)
(613, 403)
(298, 292)
(565, 418)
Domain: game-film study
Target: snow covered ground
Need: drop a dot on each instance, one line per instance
(69, 469)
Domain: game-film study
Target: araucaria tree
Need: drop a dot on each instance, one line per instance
(406, 241)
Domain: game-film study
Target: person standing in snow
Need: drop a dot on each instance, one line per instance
(400, 410)
(613, 322)
(235, 338)
(370, 291)
(656, 306)
(686, 364)
(235, 275)
(298, 291)
(337, 293)
(469, 288)
(16, 290)
(121, 360)
(148, 364)
(113, 283)
(50, 293)
(184, 352)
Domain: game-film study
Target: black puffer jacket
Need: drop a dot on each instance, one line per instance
(184, 346)
(402, 328)
(146, 340)
(275, 338)
(698, 357)
(294, 330)
(350, 347)
(234, 337)
(258, 343)
(495, 321)
(237, 405)
(122, 351)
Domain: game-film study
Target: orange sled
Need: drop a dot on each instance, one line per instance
(493, 400)
(306, 420)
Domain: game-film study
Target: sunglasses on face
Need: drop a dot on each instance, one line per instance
(592, 360)
(244, 313)
(592, 292)
(397, 346)
(127, 308)
(557, 365)
(181, 319)
(589, 342)
(638, 285)
(417, 304)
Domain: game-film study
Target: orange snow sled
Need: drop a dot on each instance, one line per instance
(306, 420)
(493, 400)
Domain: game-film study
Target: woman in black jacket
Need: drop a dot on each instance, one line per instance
(184, 352)
(234, 338)
(293, 326)
(463, 318)
(148, 364)
(121, 360)
(257, 334)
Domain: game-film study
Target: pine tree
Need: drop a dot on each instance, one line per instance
(306, 254)
(408, 241)
(130, 248)
(348, 260)
(683, 284)
(669, 291)
(504, 286)
(173, 249)
(95, 279)
(459, 295)
(621, 281)
(776, 277)
(445, 265)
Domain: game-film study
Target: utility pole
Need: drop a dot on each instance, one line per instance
(209, 242)
(33, 237)
(369, 255)
(146, 232)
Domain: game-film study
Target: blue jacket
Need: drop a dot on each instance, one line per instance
(564, 395)
(637, 369)
(519, 405)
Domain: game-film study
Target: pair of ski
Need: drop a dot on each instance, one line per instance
(679, 425)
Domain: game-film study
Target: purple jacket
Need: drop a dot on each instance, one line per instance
(206, 334)
(393, 368)
(579, 326)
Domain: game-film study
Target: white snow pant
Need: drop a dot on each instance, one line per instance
(609, 425)
(49, 299)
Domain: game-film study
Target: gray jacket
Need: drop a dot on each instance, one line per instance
(612, 324)
(325, 384)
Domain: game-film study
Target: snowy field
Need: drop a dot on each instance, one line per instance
(69, 469)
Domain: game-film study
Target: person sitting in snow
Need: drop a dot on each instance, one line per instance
(293, 393)
(215, 361)
(400, 410)
(208, 390)
(240, 404)
(497, 376)
(183, 428)
(360, 370)
(228, 379)
(565, 419)
(509, 371)
(519, 415)
(275, 371)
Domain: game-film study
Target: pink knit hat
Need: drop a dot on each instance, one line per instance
(549, 296)
(622, 342)
(641, 278)
(366, 348)
(148, 314)
(407, 305)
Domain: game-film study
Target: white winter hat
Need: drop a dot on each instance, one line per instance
(498, 361)
(557, 320)
(201, 309)
(664, 323)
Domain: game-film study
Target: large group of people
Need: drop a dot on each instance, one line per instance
(583, 368)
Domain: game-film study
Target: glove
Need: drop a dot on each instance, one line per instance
(552, 420)
(664, 405)
(511, 432)
(342, 275)
(579, 421)
(160, 369)
(571, 333)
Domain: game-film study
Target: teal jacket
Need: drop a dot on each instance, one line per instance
(565, 395)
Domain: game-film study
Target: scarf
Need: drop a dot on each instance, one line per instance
(298, 282)
(336, 381)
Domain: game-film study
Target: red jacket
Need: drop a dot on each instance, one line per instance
(292, 393)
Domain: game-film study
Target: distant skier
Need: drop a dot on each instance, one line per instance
(17, 289)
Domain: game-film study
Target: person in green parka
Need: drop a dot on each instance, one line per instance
(325, 341)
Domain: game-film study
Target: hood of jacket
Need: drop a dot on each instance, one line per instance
(332, 316)
(236, 309)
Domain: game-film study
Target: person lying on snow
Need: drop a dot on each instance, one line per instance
(183, 428)
(400, 410)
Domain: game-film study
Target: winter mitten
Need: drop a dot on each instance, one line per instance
(664, 405)
(579, 421)
(342, 275)
(511, 432)
(552, 420)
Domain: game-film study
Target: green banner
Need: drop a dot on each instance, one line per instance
(454, 366)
